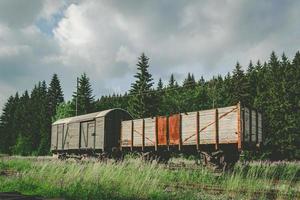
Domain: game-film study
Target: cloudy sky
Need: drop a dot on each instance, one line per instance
(104, 39)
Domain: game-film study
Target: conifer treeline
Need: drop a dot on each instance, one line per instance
(25, 123)
(272, 87)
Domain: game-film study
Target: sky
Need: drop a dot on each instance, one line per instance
(104, 39)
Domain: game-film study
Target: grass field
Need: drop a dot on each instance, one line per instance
(135, 179)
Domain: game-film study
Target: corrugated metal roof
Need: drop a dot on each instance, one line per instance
(85, 117)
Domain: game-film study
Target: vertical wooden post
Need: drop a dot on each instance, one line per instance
(143, 135)
(250, 125)
(256, 126)
(197, 131)
(132, 130)
(217, 129)
(156, 133)
(180, 133)
(239, 126)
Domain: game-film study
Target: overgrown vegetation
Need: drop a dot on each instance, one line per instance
(272, 87)
(135, 179)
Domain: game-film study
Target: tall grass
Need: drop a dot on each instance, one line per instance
(135, 179)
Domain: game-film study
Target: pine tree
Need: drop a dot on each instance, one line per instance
(160, 85)
(160, 92)
(252, 79)
(55, 95)
(7, 119)
(171, 99)
(240, 86)
(140, 104)
(22, 126)
(201, 81)
(172, 82)
(189, 81)
(85, 98)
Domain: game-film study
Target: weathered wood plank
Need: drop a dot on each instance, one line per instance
(138, 133)
(150, 135)
(189, 128)
(207, 133)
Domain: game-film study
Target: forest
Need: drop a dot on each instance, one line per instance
(272, 87)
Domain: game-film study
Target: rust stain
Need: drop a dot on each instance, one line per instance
(174, 132)
(162, 130)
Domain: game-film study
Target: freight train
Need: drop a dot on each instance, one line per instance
(216, 135)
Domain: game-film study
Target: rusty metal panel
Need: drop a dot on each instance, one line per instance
(207, 126)
(126, 133)
(228, 132)
(260, 137)
(150, 132)
(253, 125)
(247, 125)
(162, 130)
(138, 132)
(189, 128)
(54, 137)
(174, 129)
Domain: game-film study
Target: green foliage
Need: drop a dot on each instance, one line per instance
(63, 110)
(22, 146)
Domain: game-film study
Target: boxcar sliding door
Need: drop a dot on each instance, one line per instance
(87, 135)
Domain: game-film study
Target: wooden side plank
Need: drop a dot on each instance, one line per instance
(150, 131)
(189, 128)
(138, 133)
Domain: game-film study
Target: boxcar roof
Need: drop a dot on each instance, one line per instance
(85, 117)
